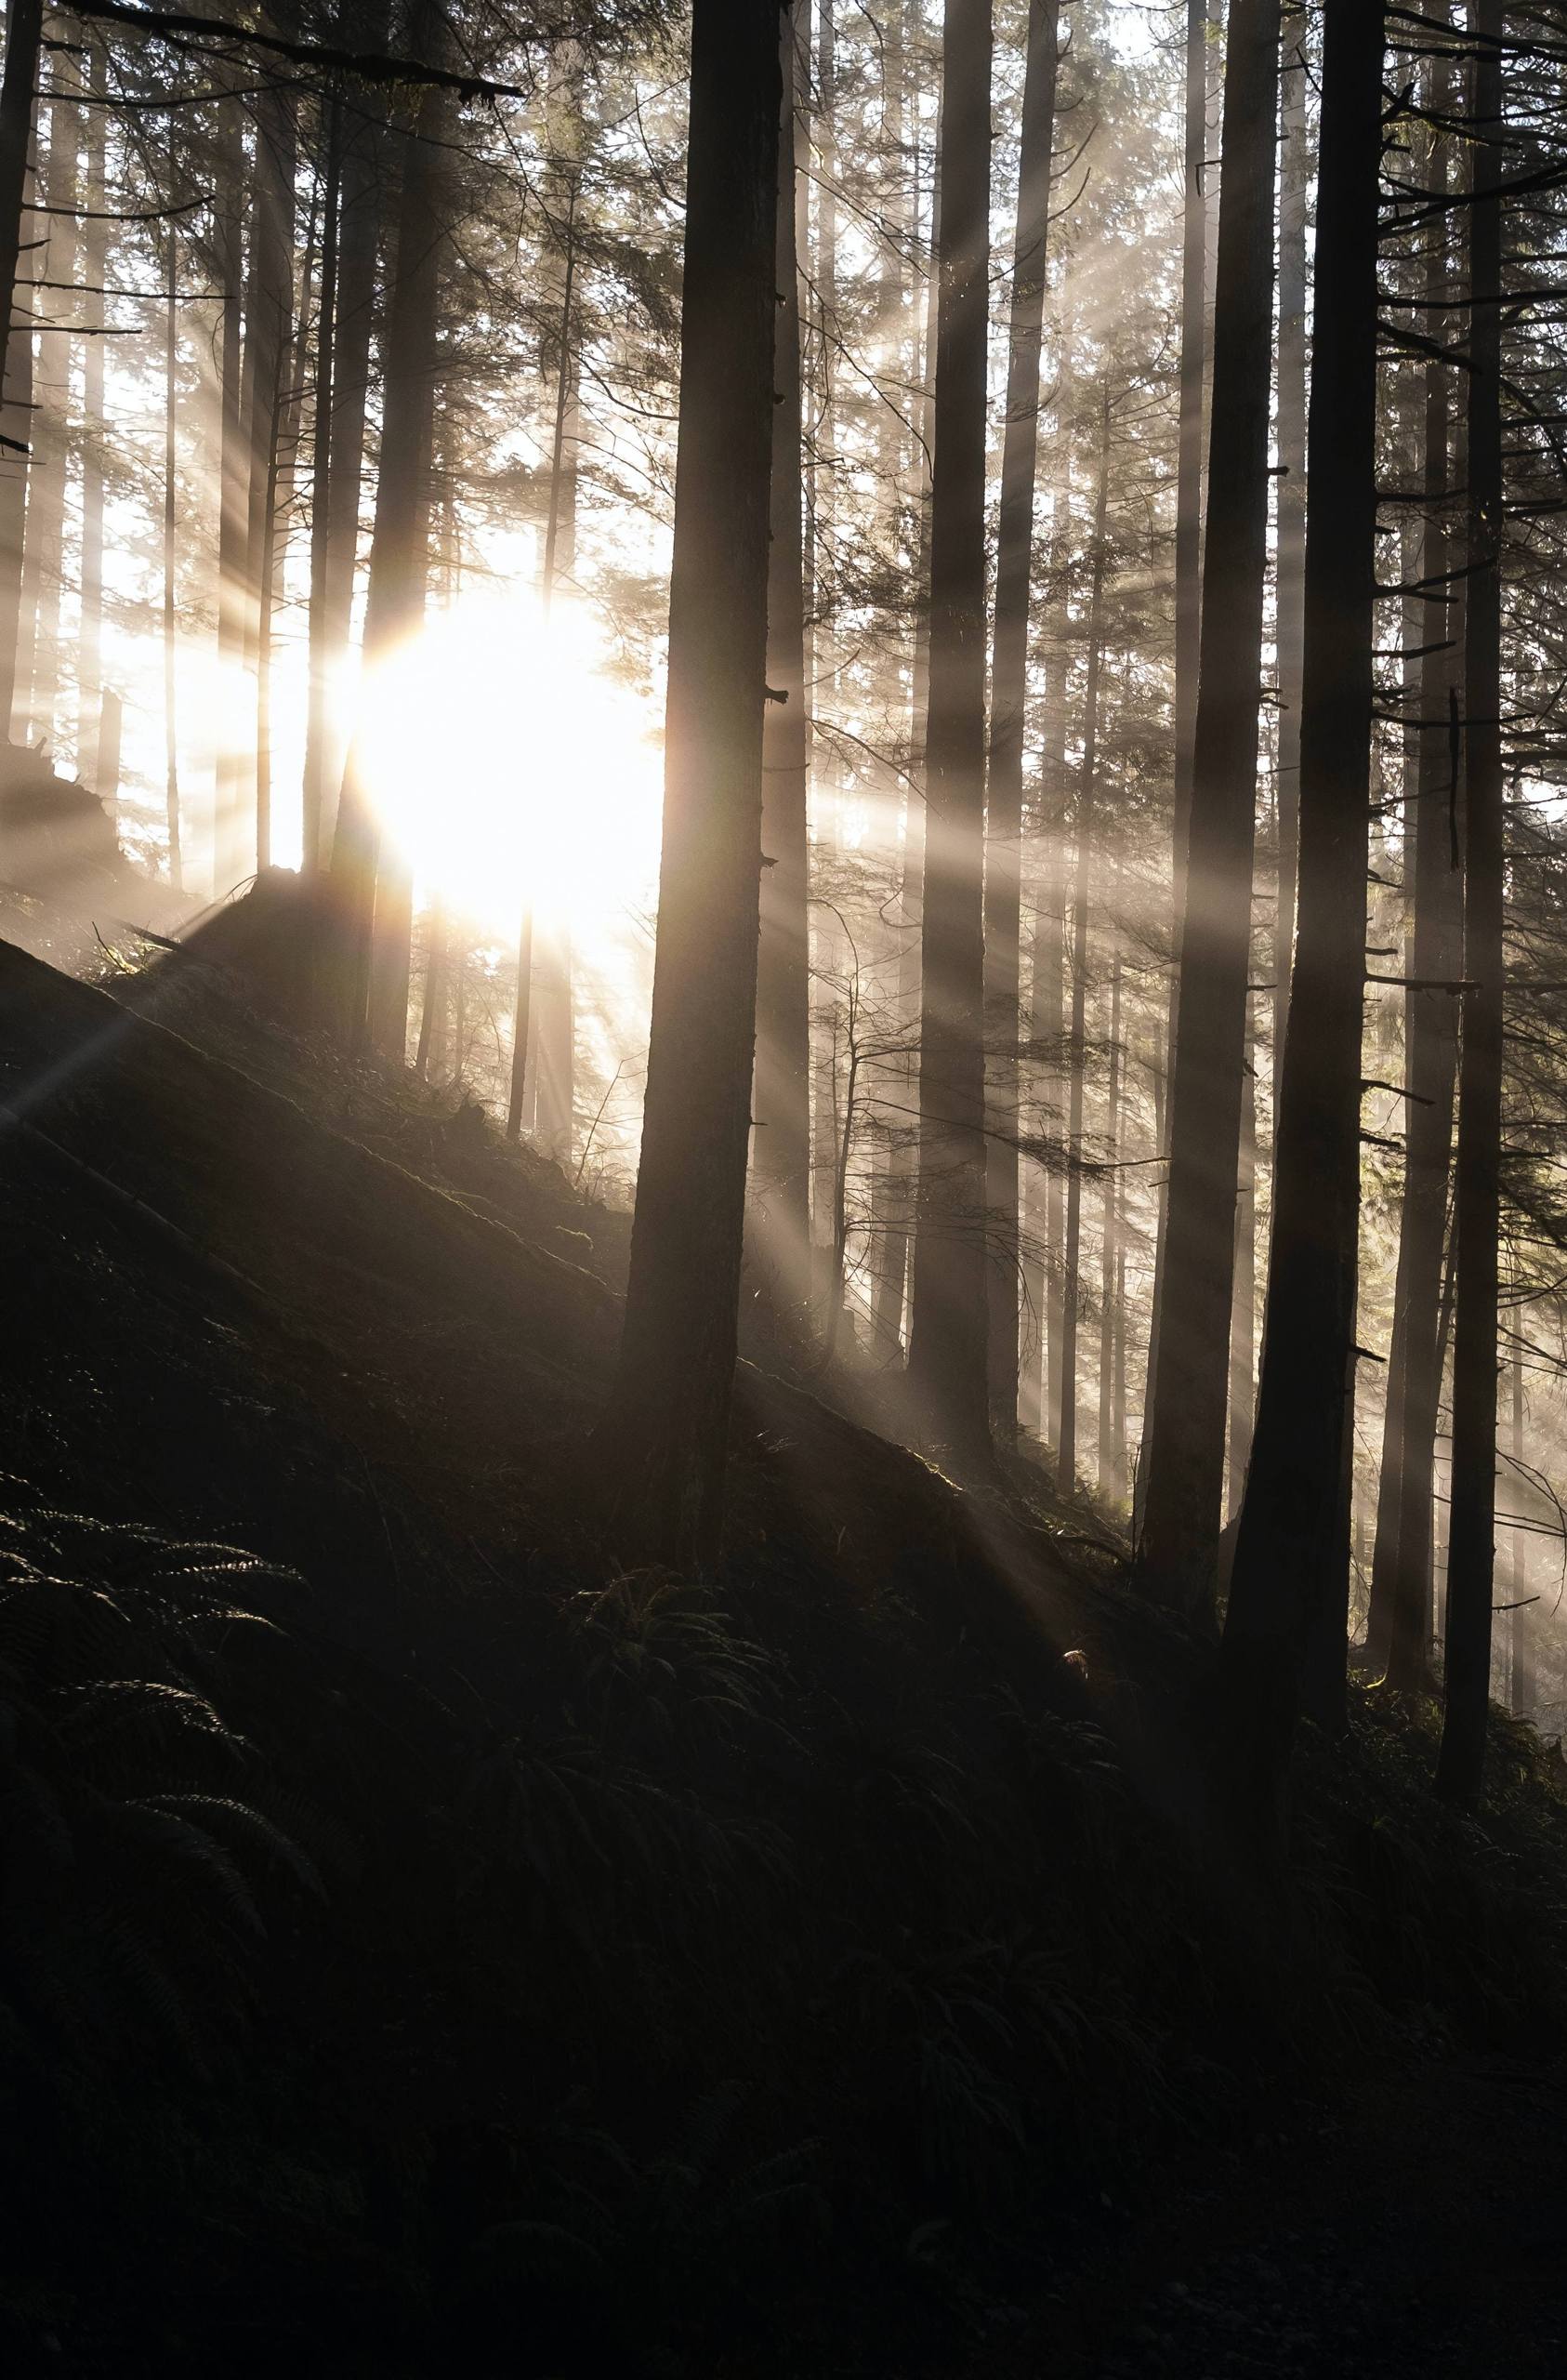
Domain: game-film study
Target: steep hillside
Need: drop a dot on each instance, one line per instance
(426, 1947)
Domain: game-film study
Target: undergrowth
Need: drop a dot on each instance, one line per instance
(348, 2025)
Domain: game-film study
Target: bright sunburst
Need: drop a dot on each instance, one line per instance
(508, 766)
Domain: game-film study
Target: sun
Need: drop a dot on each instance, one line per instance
(509, 768)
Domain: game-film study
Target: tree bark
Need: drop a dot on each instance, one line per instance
(522, 1025)
(266, 345)
(1290, 1582)
(1196, 212)
(827, 954)
(334, 560)
(781, 1148)
(95, 262)
(1110, 1257)
(1294, 181)
(911, 894)
(1242, 1316)
(1186, 1456)
(321, 492)
(233, 509)
(49, 435)
(170, 557)
(554, 1013)
(1049, 966)
(1066, 1448)
(1471, 1518)
(1014, 583)
(1521, 1690)
(17, 87)
(948, 1368)
(1399, 1634)
(663, 1438)
(370, 891)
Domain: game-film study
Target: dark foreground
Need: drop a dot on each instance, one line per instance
(425, 1948)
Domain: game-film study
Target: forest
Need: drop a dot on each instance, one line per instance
(784, 1179)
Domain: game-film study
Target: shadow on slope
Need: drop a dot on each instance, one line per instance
(425, 1949)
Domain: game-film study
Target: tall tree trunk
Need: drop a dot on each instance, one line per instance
(1014, 583)
(555, 1044)
(266, 345)
(1471, 1518)
(665, 1437)
(95, 266)
(1066, 1448)
(1197, 210)
(554, 1020)
(371, 887)
(17, 416)
(1186, 1456)
(335, 554)
(1050, 971)
(170, 557)
(432, 1008)
(948, 1368)
(49, 434)
(522, 1027)
(1294, 182)
(911, 894)
(322, 466)
(828, 954)
(1289, 1589)
(780, 1150)
(233, 507)
(17, 87)
(1242, 1316)
(1399, 1632)
(1520, 1692)
(1109, 1253)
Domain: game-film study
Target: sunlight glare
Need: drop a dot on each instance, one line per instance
(505, 764)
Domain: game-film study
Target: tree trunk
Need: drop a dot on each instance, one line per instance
(265, 345)
(1050, 968)
(948, 1368)
(335, 552)
(233, 509)
(781, 1149)
(49, 434)
(1109, 1255)
(1186, 1456)
(1196, 215)
(1289, 1587)
(828, 955)
(665, 1437)
(321, 465)
(1399, 1634)
(17, 87)
(554, 1046)
(554, 1021)
(1471, 1518)
(521, 1024)
(910, 895)
(1294, 181)
(95, 265)
(427, 1062)
(1014, 581)
(371, 889)
(1243, 1317)
(171, 606)
(1520, 1691)
(1066, 1447)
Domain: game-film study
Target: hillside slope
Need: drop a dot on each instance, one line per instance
(426, 1946)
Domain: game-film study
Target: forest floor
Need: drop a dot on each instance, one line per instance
(501, 1964)
(1417, 2224)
